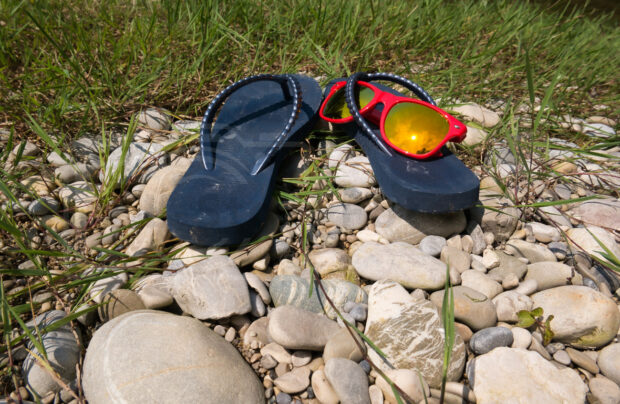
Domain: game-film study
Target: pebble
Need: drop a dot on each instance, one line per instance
(549, 274)
(79, 220)
(322, 389)
(474, 136)
(561, 357)
(79, 195)
(521, 338)
(410, 334)
(533, 252)
(505, 373)
(490, 259)
(501, 222)
(211, 289)
(301, 358)
(154, 291)
(579, 238)
(141, 161)
(295, 381)
(543, 232)
(342, 345)
(283, 398)
(347, 216)
(509, 303)
(279, 249)
(294, 290)
(258, 308)
(609, 362)
(43, 206)
(603, 391)
(70, 173)
(600, 212)
(470, 307)
(150, 238)
(62, 351)
(478, 281)
(508, 265)
(154, 118)
(354, 195)
(355, 172)
(582, 360)
(327, 260)
(132, 344)
(400, 262)
(599, 130)
(490, 338)
(368, 235)
(348, 380)
(432, 245)
(247, 255)
(455, 258)
(103, 286)
(400, 224)
(118, 302)
(277, 352)
(408, 380)
(510, 281)
(295, 328)
(158, 189)
(583, 317)
(376, 396)
(56, 223)
(339, 155)
(478, 114)
(259, 286)
(527, 287)
(359, 312)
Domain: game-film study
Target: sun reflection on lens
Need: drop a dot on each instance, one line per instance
(415, 128)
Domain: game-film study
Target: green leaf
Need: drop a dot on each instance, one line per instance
(526, 319)
(537, 312)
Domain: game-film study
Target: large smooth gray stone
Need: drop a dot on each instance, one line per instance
(211, 289)
(150, 356)
(294, 290)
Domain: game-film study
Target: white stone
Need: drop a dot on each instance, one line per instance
(79, 195)
(583, 317)
(355, 172)
(339, 155)
(150, 238)
(543, 232)
(154, 118)
(408, 380)
(159, 188)
(581, 238)
(513, 375)
(479, 114)
(521, 338)
(141, 160)
(509, 303)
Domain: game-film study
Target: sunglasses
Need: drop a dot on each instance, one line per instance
(412, 127)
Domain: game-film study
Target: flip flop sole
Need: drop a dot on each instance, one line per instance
(227, 205)
(438, 185)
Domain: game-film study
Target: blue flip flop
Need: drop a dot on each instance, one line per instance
(437, 185)
(224, 197)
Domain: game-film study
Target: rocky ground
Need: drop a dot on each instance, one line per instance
(239, 326)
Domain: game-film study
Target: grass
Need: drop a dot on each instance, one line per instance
(77, 67)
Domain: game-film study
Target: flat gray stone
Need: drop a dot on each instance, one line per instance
(400, 224)
(410, 333)
(348, 216)
(583, 317)
(470, 307)
(295, 328)
(294, 291)
(211, 289)
(151, 356)
(354, 194)
(490, 338)
(400, 262)
(348, 380)
(43, 206)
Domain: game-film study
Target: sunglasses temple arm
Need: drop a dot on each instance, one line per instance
(351, 82)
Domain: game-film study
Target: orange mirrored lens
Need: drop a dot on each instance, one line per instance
(415, 128)
(336, 107)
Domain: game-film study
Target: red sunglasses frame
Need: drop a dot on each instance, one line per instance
(456, 129)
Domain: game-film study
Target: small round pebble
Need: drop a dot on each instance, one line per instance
(283, 398)
(365, 365)
(359, 312)
(562, 357)
(487, 339)
(432, 245)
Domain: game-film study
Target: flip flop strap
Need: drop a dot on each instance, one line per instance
(359, 119)
(288, 83)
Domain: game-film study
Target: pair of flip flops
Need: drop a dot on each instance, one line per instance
(224, 197)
